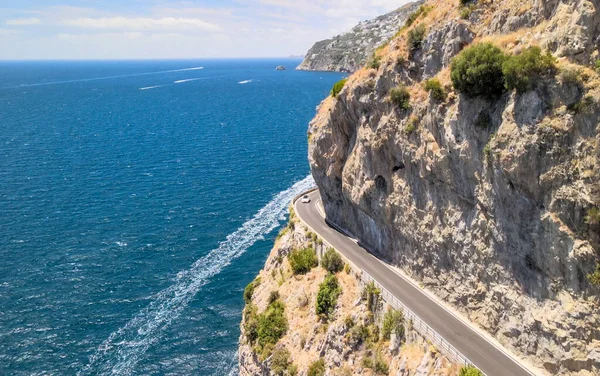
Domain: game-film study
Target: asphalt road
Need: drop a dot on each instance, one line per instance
(486, 356)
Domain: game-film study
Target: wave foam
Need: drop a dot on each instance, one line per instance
(151, 87)
(119, 354)
(245, 82)
(187, 80)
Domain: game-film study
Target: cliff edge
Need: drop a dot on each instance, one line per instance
(468, 154)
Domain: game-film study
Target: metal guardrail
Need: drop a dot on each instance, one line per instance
(417, 324)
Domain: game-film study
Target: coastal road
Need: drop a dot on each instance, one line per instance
(492, 360)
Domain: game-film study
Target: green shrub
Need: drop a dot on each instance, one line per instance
(523, 70)
(372, 294)
(272, 324)
(593, 216)
(400, 97)
(249, 290)
(477, 70)
(415, 37)
(303, 260)
(484, 120)
(487, 150)
(332, 261)
(292, 370)
(273, 296)
(469, 371)
(422, 11)
(381, 367)
(329, 291)
(375, 62)
(571, 76)
(251, 322)
(359, 333)
(338, 86)
(583, 105)
(317, 368)
(393, 321)
(466, 11)
(367, 362)
(597, 66)
(411, 125)
(434, 86)
(594, 277)
(280, 361)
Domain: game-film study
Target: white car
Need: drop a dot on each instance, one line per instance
(305, 199)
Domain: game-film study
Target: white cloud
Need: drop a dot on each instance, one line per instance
(24, 22)
(142, 23)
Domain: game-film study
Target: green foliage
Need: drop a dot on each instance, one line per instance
(332, 261)
(583, 105)
(249, 290)
(434, 86)
(411, 125)
(359, 333)
(303, 260)
(280, 362)
(593, 216)
(487, 150)
(347, 269)
(571, 76)
(373, 295)
(329, 291)
(317, 368)
(393, 321)
(375, 62)
(597, 66)
(594, 277)
(292, 370)
(338, 86)
(484, 120)
(251, 322)
(422, 11)
(466, 11)
(272, 324)
(367, 362)
(273, 296)
(477, 70)
(469, 371)
(400, 97)
(415, 37)
(523, 70)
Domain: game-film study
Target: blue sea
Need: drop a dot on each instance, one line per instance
(137, 200)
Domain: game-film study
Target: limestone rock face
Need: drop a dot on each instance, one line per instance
(490, 218)
(350, 51)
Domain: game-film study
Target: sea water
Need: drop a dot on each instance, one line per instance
(137, 199)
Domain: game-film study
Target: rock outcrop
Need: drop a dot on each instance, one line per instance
(350, 342)
(490, 215)
(348, 52)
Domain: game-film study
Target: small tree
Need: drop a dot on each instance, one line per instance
(434, 86)
(329, 291)
(338, 86)
(317, 368)
(372, 294)
(393, 321)
(303, 260)
(415, 37)
(477, 71)
(469, 371)
(400, 97)
(523, 70)
(332, 261)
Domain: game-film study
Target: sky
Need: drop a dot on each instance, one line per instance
(163, 29)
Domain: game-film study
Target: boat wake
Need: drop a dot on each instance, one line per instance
(245, 82)
(124, 348)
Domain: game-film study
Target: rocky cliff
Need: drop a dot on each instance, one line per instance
(352, 340)
(490, 202)
(348, 52)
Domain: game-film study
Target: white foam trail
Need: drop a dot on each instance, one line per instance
(104, 78)
(151, 87)
(245, 82)
(187, 80)
(119, 354)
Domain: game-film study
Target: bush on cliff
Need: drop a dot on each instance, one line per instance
(332, 261)
(523, 70)
(303, 260)
(393, 321)
(249, 290)
(329, 291)
(477, 71)
(434, 87)
(415, 37)
(272, 324)
(317, 368)
(400, 97)
(469, 371)
(280, 362)
(338, 86)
